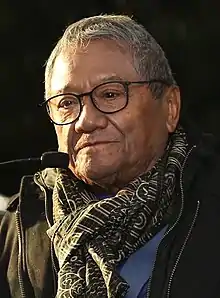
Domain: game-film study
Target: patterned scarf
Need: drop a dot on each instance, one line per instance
(92, 237)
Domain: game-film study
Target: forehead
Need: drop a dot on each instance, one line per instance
(85, 68)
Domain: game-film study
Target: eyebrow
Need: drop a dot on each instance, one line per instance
(111, 78)
(105, 79)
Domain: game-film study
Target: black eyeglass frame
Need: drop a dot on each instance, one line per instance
(125, 84)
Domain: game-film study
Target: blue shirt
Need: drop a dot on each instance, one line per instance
(137, 269)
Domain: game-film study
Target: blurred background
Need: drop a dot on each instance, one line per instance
(189, 32)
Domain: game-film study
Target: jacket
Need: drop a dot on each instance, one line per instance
(187, 261)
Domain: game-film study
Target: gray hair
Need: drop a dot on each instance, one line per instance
(148, 57)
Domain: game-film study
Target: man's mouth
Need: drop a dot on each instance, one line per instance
(91, 144)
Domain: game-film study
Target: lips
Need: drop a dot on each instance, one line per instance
(90, 144)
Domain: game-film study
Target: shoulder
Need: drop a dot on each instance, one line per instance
(30, 197)
(31, 203)
(203, 167)
(209, 158)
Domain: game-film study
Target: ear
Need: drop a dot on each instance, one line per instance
(173, 104)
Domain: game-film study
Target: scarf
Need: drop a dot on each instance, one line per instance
(91, 237)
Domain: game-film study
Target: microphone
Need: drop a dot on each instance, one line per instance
(51, 159)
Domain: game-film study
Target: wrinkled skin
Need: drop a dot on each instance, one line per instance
(124, 144)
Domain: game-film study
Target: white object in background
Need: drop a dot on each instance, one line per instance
(3, 202)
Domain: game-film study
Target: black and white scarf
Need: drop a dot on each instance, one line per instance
(92, 237)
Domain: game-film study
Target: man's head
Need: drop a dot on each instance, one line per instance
(120, 129)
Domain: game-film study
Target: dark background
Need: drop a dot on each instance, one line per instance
(189, 32)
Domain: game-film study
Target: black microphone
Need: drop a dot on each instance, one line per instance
(51, 159)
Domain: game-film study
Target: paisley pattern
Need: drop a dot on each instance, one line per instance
(91, 237)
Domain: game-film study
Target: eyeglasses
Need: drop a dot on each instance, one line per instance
(108, 97)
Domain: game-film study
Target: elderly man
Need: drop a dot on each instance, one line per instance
(137, 212)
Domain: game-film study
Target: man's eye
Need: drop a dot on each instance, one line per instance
(67, 103)
(111, 94)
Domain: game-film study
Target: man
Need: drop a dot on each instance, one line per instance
(137, 212)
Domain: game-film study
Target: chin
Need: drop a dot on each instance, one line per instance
(89, 174)
(94, 170)
(92, 175)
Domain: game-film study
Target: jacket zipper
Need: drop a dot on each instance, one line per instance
(45, 194)
(174, 225)
(55, 269)
(20, 253)
(182, 249)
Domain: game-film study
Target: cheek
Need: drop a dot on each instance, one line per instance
(143, 129)
(63, 135)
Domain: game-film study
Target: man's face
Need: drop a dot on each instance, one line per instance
(109, 148)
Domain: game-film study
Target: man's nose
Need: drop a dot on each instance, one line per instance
(90, 118)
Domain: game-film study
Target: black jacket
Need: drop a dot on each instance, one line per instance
(188, 257)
